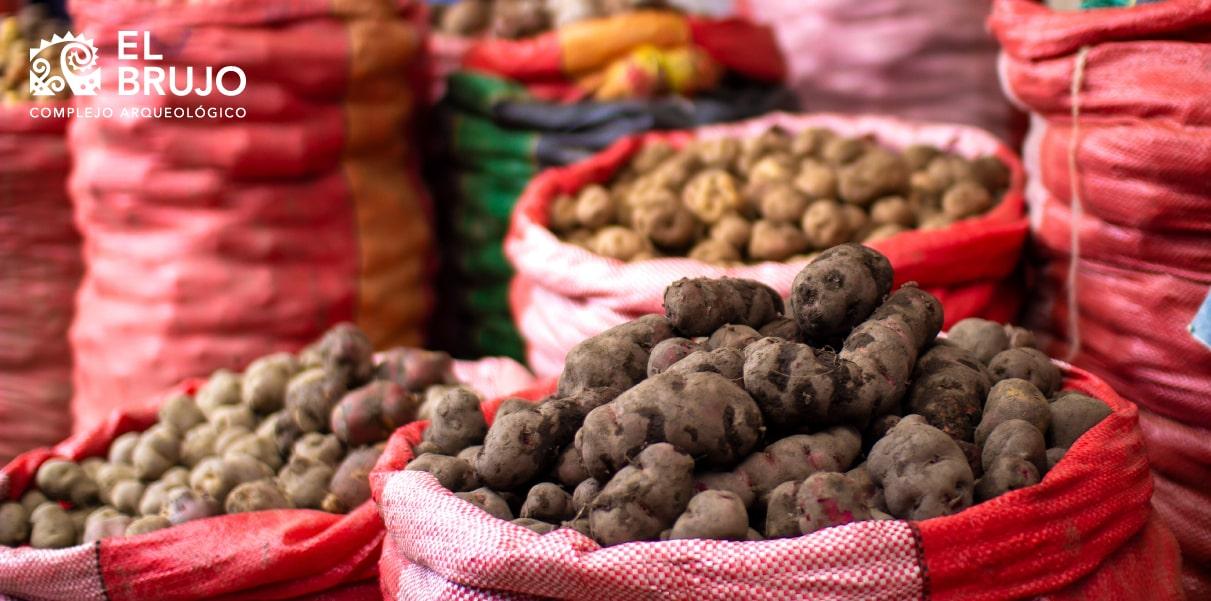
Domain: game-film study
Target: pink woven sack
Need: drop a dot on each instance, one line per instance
(282, 554)
(1086, 532)
(563, 294)
(40, 267)
(1118, 157)
(922, 59)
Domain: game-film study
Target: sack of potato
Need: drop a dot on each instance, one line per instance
(40, 262)
(247, 485)
(594, 244)
(737, 446)
(935, 59)
(211, 241)
(1120, 206)
(497, 133)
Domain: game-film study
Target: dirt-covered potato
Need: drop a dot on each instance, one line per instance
(198, 444)
(122, 449)
(159, 449)
(350, 484)
(644, 498)
(321, 448)
(415, 369)
(1013, 399)
(922, 471)
(985, 339)
(311, 395)
(713, 514)
(489, 501)
(263, 386)
(370, 414)
(548, 502)
(14, 524)
(258, 495)
(178, 411)
(51, 527)
(183, 504)
(772, 197)
(64, 480)
(1073, 414)
(147, 523)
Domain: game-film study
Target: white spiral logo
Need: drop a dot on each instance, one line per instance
(77, 66)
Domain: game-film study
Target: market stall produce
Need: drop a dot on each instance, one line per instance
(934, 60)
(212, 240)
(974, 459)
(40, 263)
(556, 98)
(971, 188)
(225, 477)
(1118, 158)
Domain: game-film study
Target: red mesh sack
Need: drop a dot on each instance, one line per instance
(1120, 201)
(1086, 531)
(40, 268)
(279, 554)
(212, 241)
(563, 294)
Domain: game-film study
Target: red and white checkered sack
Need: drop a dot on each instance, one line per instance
(563, 294)
(1086, 532)
(279, 554)
(1118, 157)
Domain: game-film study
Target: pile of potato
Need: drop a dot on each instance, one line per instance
(290, 432)
(731, 416)
(775, 197)
(19, 33)
(515, 19)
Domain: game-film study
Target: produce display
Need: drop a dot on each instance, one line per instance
(773, 197)
(733, 416)
(514, 19)
(19, 33)
(289, 432)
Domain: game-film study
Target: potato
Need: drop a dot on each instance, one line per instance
(893, 210)
(1073, 414)
(715, 252)
(64, 480)
(670, 227)
(732, 336)
(221, 390)
(699, 306)
(711, 194)
(304, 482)
(350, 484)
(817, 180)
(146, 524)
(548, 502)
(563, 214)
(772, 241)
(595, 207)
(733, 230)
(51, 527)
(825, 224)
(178, 411)
(876, 174)
(985, 339)
(311, 395)
(320, 448)
(829, 499)
(825, 311)
(183, 504)
(122, 449)
(158, 450)
(14, 524)
(1007, 473)
(966, 199)
(1013, 399)
(719, 153)
(415, 369)
(264, 384)
(457, 421)
(722, 425)
(126, 496)
(644, 498)
(215, 477)
(841, 151)
(105, 522)
(918, 156)
(279, 428)
(262, 449)
(536, 525)
(371, 413)
(617, 242)
(198, 444)
(783, 204)
(258, 495)
(488, 501)
(712, 514)
(1015, 438)
(922, 471)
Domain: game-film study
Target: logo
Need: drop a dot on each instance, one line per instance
(76, 69)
